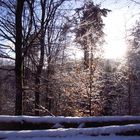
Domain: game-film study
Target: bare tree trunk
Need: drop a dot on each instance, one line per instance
(91, 72)
(86, 57)
(129, 92)
(41, 61)
(37, 92)
(18, 61)
(48, 73)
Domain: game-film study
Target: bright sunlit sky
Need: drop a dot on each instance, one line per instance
(115, 46)
(123, 16)
(117, 23)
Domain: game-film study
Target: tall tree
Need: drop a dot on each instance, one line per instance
(133, 69)
(18, 57)
(89, 35)
(48, 10)
(41, 57)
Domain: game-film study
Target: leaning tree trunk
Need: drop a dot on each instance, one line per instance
(18, 59)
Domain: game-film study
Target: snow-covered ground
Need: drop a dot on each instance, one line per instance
(60, 119)
(62, 133)
(48, 122)
(81, 138)
(112, 132)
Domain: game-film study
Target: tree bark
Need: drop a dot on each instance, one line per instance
(41, 60)
(86, 57)
(18, 59)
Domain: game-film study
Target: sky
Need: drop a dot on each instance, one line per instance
(117, 26)
(118, 23)
(122, 17)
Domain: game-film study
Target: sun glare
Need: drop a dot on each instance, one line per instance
(115, 51)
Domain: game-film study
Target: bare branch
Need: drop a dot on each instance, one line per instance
(135, 2)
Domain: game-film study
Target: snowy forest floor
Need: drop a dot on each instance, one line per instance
(80, 138)
(70, 128)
